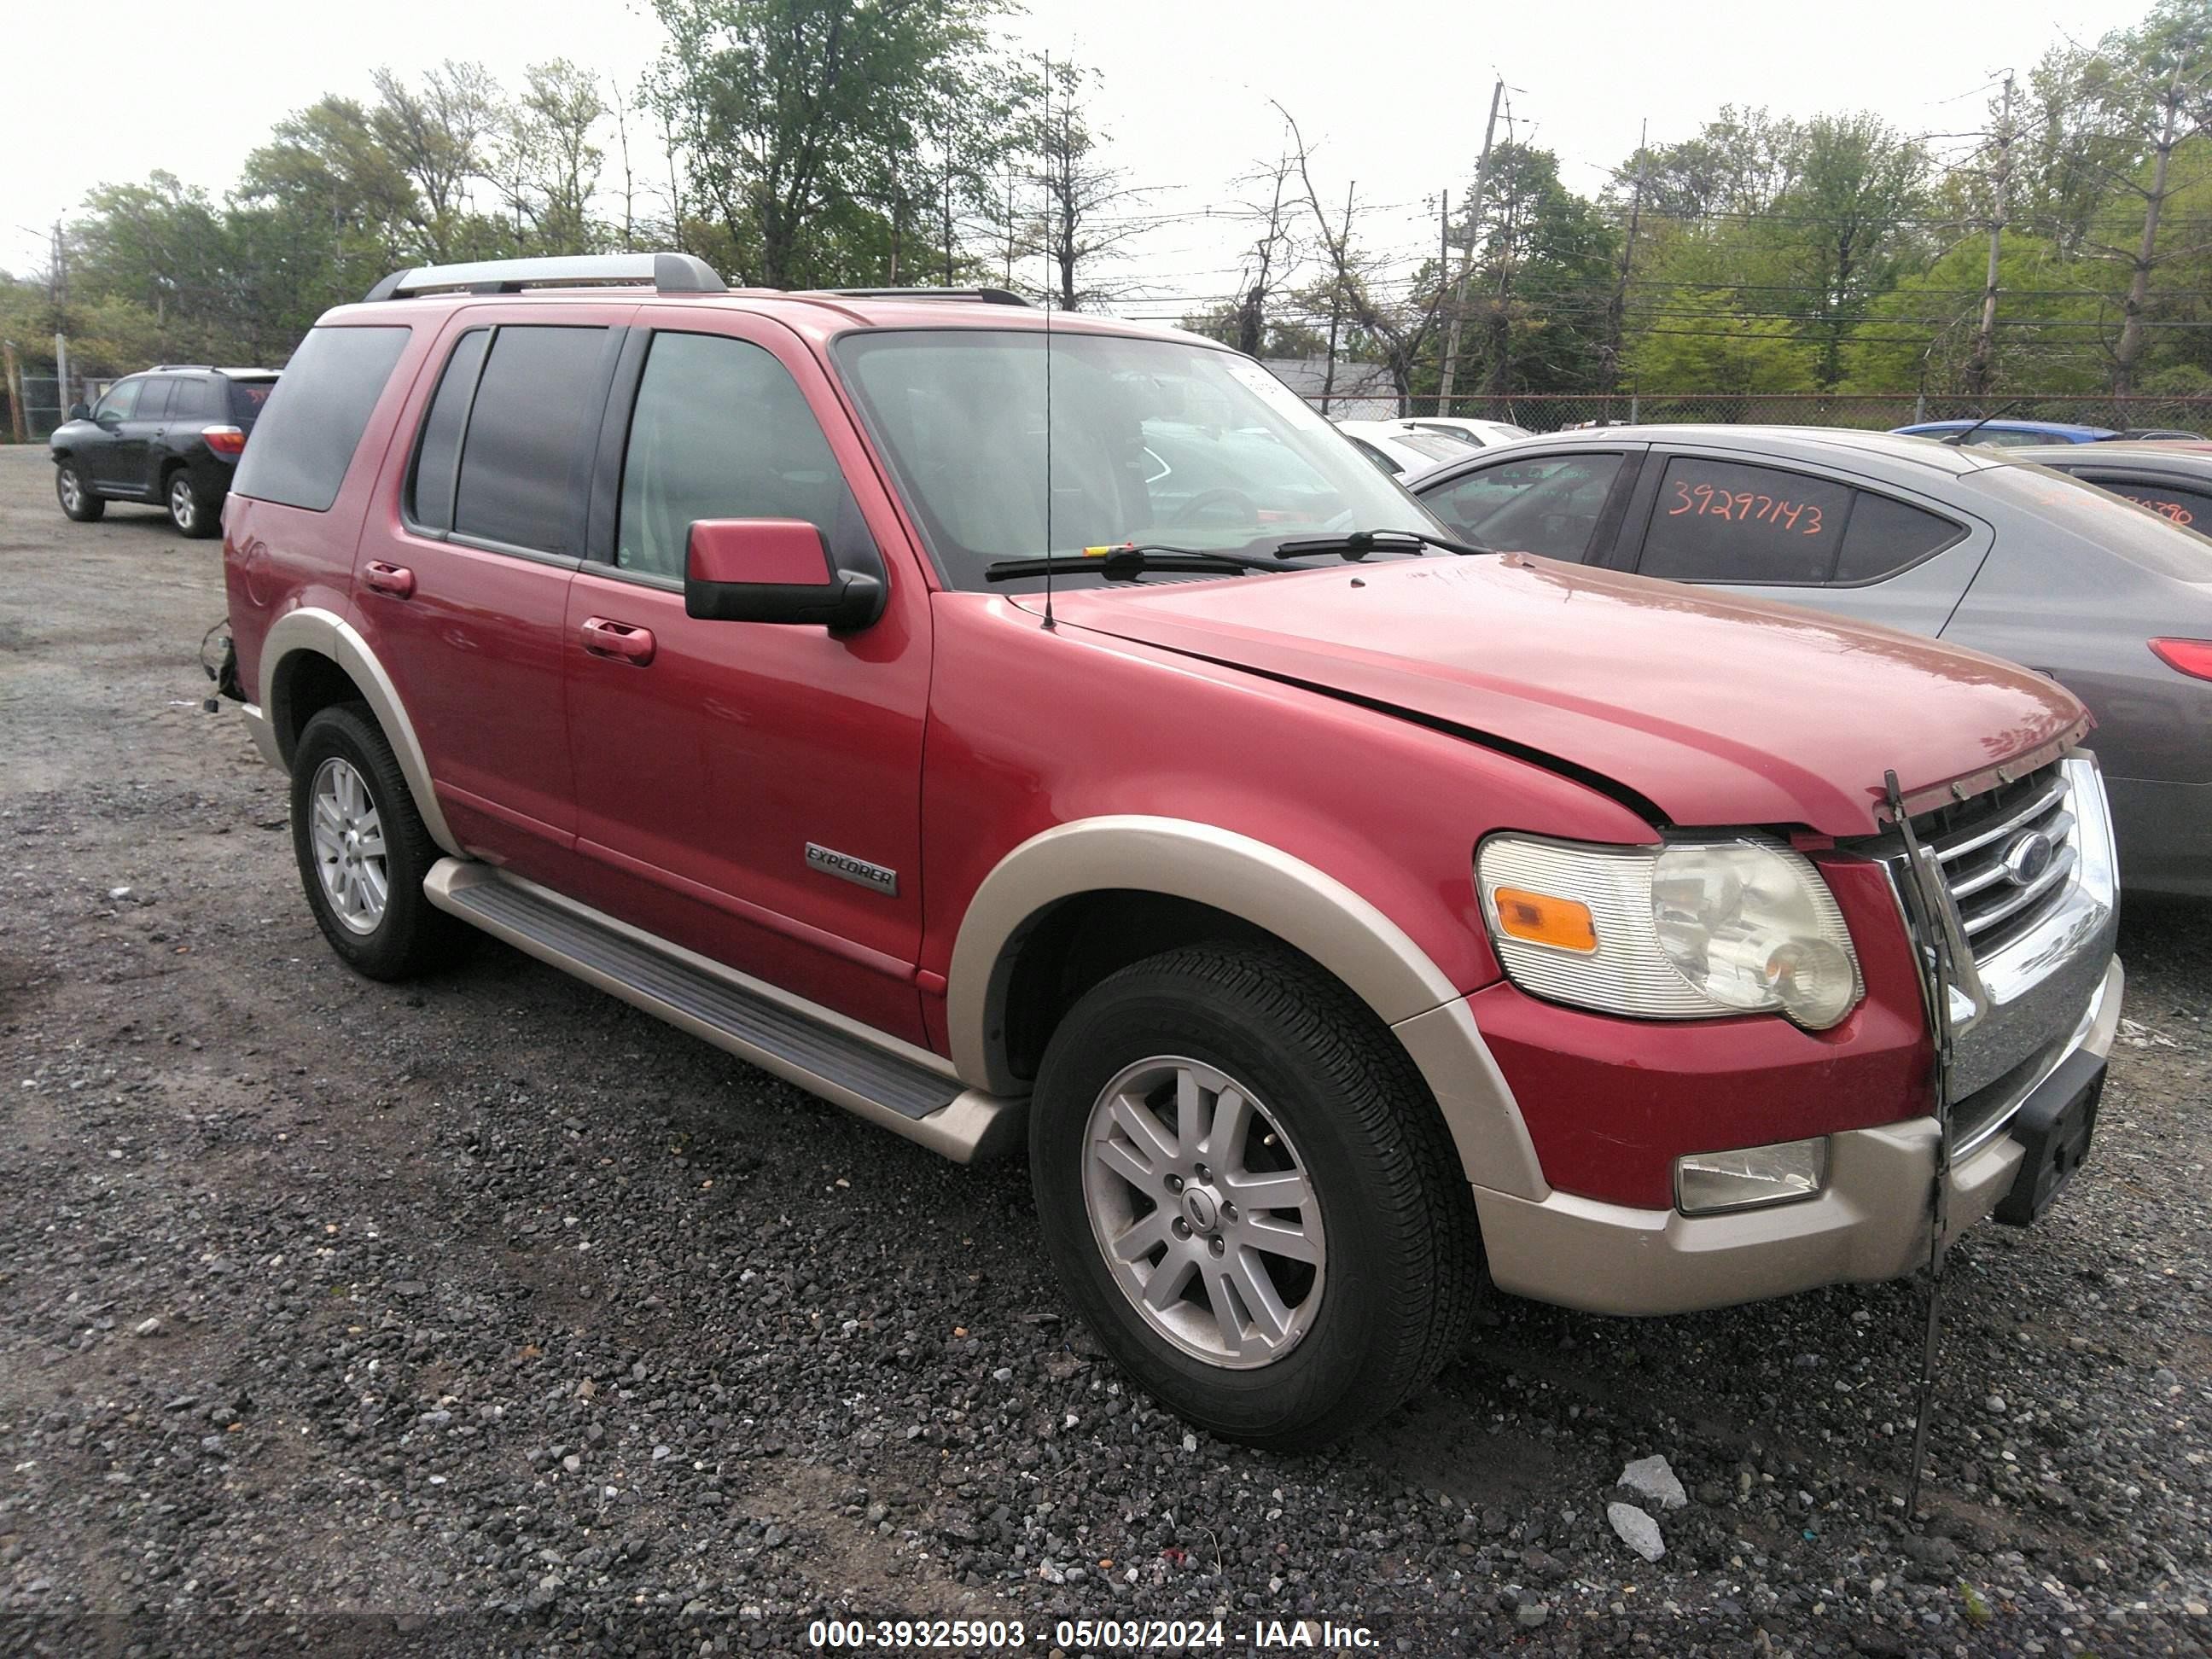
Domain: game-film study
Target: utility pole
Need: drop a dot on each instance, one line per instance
(1336, 299)
(15, 390)
(1467, 255)
(1616, 314)
(1981, 367)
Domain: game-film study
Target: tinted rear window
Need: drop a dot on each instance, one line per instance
(246, 398)
(525, 459)
(317, 414)
(1885, 535)
(437, 457)
(154, 399)
(1725, 521)
(197, 399)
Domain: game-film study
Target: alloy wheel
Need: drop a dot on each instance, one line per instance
(348, 834)
(183, 508)
(1204, 1211)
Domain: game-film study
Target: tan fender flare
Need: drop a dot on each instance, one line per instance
(329, 634)
(1305, 907)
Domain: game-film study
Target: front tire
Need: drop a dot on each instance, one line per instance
(362, 850)
(1250, 1197)
(189, 507)
(79, 501)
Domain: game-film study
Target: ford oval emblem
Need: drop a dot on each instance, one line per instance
(2028, 858)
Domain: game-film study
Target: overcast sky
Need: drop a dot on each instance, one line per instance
(1393, 96)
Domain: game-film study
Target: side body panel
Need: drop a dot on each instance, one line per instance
(1142, 750)
(475, 647)
(1918, 599)
(702, 776)
(280, 559)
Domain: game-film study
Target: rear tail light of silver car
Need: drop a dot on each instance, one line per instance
(2191, 657)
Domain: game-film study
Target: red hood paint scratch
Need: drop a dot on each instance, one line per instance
(1718, 710)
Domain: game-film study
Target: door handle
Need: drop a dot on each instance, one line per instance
(396, 579)
(605, 637)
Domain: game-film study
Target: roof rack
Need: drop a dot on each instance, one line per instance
(668, 273)
(158, 368)
(989, 296)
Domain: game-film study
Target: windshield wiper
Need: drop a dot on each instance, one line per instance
(1359, 544)
(1125, 562)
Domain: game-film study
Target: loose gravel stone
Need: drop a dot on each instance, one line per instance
(1636, 1529)
(1653, 1481)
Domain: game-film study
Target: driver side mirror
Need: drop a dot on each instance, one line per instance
(80, 412)
(774, 570)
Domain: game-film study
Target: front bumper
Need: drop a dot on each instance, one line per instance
(1870, 1222)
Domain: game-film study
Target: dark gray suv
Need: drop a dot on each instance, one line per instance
(1968, 544)
(170, 438)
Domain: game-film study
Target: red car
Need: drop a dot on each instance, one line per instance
(1002, 724)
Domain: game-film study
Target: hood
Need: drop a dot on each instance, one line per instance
(1714, 710)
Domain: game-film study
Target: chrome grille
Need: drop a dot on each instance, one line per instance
(2001, 879)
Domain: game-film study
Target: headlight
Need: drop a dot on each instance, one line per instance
(1680, 932)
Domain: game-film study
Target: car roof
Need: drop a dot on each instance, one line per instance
(213, 368)
(1835, 446)
(820, 316)
(2006, 426)
(2187, 460)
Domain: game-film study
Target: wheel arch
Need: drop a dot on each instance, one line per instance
(1179, 873)
(312, 658)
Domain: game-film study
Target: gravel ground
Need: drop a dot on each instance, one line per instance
(489, 1314)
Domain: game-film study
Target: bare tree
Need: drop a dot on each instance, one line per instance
(1086, 202)
(1400, 332)
(1273, 260)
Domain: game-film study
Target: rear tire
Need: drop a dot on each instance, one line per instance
(1351, 1272)
(189, 509)
(363, 851)
(78, 499)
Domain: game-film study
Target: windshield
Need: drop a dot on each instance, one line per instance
(1153, 441)
(1434, 445)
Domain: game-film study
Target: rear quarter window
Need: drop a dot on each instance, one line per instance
(314, 418)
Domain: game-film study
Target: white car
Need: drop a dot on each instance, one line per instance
(1400, 448)
(1481, 434)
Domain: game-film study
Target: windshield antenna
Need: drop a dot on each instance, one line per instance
(1047, 159)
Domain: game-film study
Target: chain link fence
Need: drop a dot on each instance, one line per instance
(44, 403)
(1554, 412)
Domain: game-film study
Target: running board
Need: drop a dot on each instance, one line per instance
(907, 1090)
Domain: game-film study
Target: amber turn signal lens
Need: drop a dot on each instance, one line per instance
(1542, 918)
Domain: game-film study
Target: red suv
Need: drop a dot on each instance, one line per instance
(1002, 725)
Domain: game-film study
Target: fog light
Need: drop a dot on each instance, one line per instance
(1752, 1176)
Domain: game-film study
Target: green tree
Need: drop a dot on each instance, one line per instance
(788, 112)
(2126, 111)
(439, 133)
(1544, 279)
(1920, 335)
